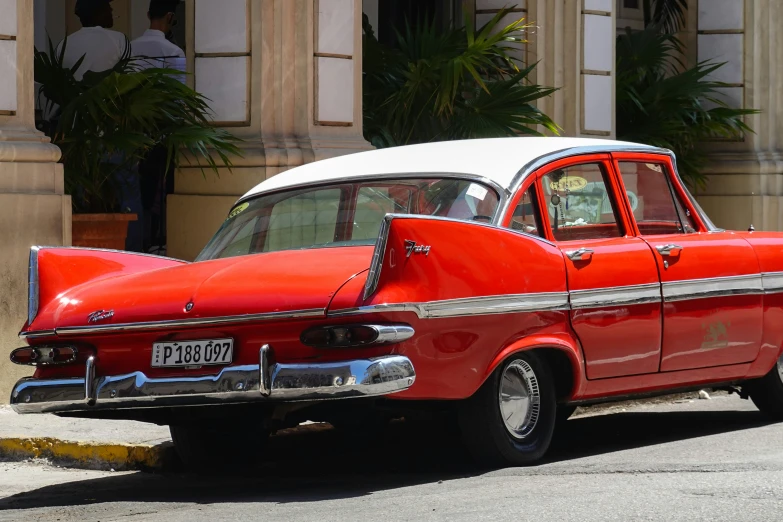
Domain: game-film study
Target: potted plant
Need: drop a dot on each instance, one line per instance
(107, 122)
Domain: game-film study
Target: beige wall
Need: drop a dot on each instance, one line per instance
(33, 209)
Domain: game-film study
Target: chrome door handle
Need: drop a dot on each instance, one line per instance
(582, 254)
(667, 250)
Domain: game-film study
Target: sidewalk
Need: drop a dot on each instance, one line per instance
(84, 443)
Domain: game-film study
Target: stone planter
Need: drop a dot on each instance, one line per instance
(101, 230)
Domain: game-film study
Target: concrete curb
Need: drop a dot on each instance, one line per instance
(93, 456)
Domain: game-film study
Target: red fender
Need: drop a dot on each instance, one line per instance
(564, 342)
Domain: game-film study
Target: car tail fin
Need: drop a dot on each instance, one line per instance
(426, 258)
(53, 270)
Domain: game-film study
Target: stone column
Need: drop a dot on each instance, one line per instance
(285, 76)
(745, 176)
(33, 207)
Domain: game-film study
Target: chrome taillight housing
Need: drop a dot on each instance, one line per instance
(48, 355)
(350, 336)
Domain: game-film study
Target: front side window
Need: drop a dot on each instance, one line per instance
(579, 203)
(343, 215)
(653, 202)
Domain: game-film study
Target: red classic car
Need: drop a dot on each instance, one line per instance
(506, 281)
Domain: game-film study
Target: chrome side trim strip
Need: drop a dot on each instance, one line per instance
(182, 323)
(772, 282)
(486, 305)
(489, 305)
(616, 296)
(237, 384)
(497, 305)
(717, 287)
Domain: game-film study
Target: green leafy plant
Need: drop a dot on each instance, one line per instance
(662, 102)
(108, 121)
(442, 85)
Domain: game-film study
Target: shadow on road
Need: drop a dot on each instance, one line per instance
(327, 465)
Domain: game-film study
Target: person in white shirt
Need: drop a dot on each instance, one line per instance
(101, 48)
(153, 49)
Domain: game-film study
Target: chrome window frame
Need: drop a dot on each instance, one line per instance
(531, 167)
(386, 176)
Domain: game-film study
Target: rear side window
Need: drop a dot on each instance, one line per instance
(303, 220)
(655, 206)
(348, 214)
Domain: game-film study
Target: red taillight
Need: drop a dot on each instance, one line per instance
(48, 355)
(355, 335)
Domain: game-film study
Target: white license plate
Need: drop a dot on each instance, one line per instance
(206, 352)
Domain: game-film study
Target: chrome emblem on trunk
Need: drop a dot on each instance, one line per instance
(412, 248)
(100, 315)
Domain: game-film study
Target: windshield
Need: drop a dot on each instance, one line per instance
(344, 214)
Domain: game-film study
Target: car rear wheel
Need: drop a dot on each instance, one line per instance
(222, 446)
(767, 392)
(510, 420)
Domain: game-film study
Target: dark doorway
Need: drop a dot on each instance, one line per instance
(392, 15)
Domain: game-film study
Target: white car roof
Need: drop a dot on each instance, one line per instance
(499, 160)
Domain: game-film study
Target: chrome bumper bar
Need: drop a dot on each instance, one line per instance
(237, 384)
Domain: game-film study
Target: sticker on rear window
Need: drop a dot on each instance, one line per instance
(477, 191)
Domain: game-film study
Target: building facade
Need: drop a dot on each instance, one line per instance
(285, 76)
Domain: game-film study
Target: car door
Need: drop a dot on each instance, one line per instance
(712, 290)
(612, 276)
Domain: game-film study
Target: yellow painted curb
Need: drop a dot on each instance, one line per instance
(85, 455)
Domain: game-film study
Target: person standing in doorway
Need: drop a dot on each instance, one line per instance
(101, 47)
(154, 49)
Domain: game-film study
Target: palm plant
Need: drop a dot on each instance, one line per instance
(110, 120)
(662, 102)
(441, 85)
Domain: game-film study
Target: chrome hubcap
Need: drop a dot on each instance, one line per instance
(780, 367)
(520, 399)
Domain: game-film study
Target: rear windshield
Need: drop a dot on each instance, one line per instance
(345, 214)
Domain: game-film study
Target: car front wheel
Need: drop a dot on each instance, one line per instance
(767, 392)
(510, 420)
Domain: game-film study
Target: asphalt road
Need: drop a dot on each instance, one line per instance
(701, 460)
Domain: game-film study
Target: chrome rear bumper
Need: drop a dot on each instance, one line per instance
(237, 384)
